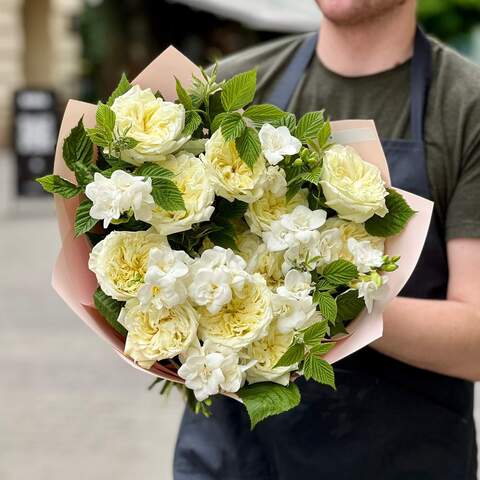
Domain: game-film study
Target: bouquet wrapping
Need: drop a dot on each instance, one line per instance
(224, 246)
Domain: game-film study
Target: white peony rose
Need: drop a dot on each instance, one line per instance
(292, 314)
(352, 187)
(243, 320)
(197, 191)
(231, 176)
(121, 193)
(165, 278)
(365, 257)
(210, 369)
(156, 334)
(265, 353)
(277, 142)
(273, 204)
(372, 287)
(156, 124)
(120, 261)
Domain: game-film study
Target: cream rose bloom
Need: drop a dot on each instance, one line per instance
(267, 352)
(243, 320)
(352, 230)
(273, 204)
(120, 261)
(232, 178)
(156, 124)
(267, 264)
(247, 244)
(197, 191)
(156, 334)
(352, 187)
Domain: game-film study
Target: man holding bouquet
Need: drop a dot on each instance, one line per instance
(404, 405)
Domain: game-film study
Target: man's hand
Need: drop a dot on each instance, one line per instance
(440, 335)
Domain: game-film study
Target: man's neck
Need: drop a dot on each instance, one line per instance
(367, 48)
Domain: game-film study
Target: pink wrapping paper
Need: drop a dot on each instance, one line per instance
(75, 284)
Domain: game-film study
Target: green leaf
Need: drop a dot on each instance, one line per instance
(290, 121)
(267, 398)
(340, 272)
(232, 126)
(323, 286)
(322, 349)
(264, 113)
(319, 369)
(230, 210)
(192, 121)
(83, 173)
(123, 87)
(248, 146)
(83, 221)
(294, 354)
(109, 309)
(154, 171)
(167, 195)
(224, 240)
(399, 214)
(217, 121)
(183, 95)
(349, 306)
(313, 176)
(239, 90)
(314, 334)
(326, 305)
(77, 147)
(58, 185)
(105, 117)
(309, 125)
(124, 143)
(292, 190)
(100, 137)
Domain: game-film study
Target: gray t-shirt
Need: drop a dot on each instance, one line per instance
(452, 123)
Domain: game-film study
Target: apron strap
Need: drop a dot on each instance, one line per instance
(285, 86)
(420, 71)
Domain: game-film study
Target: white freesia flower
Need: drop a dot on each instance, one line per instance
(231, 176)
(210, 369)
(298, 285)
(122, 192)
(292, 314)
(165, 284)
(120, 261)
(265, 353)
(273, 204)
(298, 226)
(155, 334)
(352, 187)
(277, 142)
(372, 287)
(243, 320)
(197, 193)
(365, 257)
(154, 123)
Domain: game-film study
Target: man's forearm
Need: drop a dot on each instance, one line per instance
(438, 335)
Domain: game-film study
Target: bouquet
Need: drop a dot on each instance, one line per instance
(226, 246)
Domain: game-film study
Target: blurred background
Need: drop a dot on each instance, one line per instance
(65, 413)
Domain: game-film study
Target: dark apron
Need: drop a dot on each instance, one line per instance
(386, 419)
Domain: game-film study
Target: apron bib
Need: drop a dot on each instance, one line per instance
(386, 419)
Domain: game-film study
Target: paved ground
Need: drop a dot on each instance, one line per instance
(65, 414)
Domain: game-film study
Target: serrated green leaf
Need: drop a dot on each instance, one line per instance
(217, 121)
(109, 309)
(183, 95)
(248, 146)
(167, 195)
(340, 272)
(83, 221)
(116, 163)
(322, 349)
(192, 121)
(239, 90)
(349, 306)
(264, 113)
(290, 121)
(77, 147)
(319, 369)
(230, 210)
(313, 176)
(123, 87)
(83, 173)
(58, 185)
(99, 137)
(124, 143)
(314, 334)
(399, 214)
(232, 126)
(292, 190)
(265, 399)
(309, 125)
(323, 136)
(294, 354)
(323, 286)
(153, 170)
(326, 305)
(105, 117)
